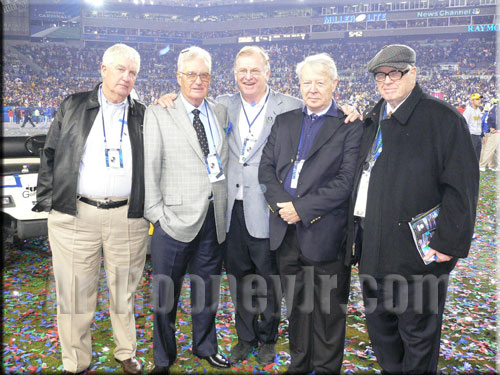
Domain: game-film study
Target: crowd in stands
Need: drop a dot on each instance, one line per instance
(452, 69)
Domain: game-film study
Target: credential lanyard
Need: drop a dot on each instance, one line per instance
(258, 114)
(210, 127)
(377, 145)
(104, 127)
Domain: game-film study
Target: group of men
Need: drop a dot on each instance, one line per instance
(288, 193)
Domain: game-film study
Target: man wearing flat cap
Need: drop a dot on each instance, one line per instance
(416, 153)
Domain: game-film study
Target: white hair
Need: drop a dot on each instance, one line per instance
(116, 51)
(191, 53)
(322, 61)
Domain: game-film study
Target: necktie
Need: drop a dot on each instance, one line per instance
(314, 116)
(200, 132)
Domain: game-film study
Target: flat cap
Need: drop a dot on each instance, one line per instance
(396, 56)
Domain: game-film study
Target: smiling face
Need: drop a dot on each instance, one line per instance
(316, 87)
(118, 79)
(394, 92)
(251, 76)
(193, 91)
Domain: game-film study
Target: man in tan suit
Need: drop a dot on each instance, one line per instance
(186, 193)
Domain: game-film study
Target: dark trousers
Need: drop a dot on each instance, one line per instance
(478, 144)
(171, 258)
(316, 308)
(249, 265)
(404, 319)
(26, 119)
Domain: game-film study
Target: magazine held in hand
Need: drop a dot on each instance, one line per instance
(422, 228)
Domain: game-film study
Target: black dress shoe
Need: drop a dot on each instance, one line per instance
(161, 370)
(217, 361)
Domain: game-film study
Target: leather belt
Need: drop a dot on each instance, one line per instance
(103, 204)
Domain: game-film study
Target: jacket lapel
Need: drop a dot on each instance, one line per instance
(181, 119)
(234, 116)
(326, 132)
(294, 129)
(218, 112)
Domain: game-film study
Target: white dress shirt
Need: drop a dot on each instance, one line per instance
(251, 131)
(95, 179)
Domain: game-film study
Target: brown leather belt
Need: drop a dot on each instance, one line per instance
(103, 204)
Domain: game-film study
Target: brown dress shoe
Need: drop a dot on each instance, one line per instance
(131, 366)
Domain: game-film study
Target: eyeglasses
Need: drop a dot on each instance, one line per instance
(192, 76)
(244, 72)
(394, 75)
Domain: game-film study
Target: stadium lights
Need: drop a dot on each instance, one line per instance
(95, 3)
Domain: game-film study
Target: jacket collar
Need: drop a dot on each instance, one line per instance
(93, 101)
(404, 112)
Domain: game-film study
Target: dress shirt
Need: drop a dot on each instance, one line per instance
(252, 112)
(208, 120)
(95, 179)
(310, 130)
(257, 126)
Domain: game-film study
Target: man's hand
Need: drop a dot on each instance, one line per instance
(493, 130)
(438, 257)
(351, 112)
(167, 100)
(288, 213)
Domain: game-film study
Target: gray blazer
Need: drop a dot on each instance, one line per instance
(254, 202)
(176, 178)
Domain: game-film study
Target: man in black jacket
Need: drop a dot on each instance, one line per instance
(91, 181)
(306, 173)
(416, 153)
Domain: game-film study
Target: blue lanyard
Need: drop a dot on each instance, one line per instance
(377, 145)
(104, 127)
(210, 126)
(258, 114)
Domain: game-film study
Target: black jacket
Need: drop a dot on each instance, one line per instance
(63, 151)
(324, 184)
(427, 158)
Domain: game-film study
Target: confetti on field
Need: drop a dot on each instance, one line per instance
(30, 340)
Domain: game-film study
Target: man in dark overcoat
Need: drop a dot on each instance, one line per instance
(416, 153)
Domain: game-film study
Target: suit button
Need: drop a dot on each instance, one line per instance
(237, 185)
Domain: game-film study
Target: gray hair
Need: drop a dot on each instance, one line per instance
(119, 50)
(191, 53)
(254, 50)
(323, 61)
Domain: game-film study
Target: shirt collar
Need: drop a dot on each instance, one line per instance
(330, 111)
(189, 107)
(108, 103)
(261, 102)
(389, 107)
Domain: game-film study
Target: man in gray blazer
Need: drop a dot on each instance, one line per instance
(186, 197)
(247, 255)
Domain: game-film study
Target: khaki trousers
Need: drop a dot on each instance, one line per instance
(488, 157)
(76, 243)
